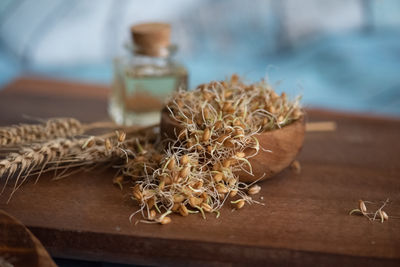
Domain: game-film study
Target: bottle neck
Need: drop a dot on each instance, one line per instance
(146, 60)
(156, 52)
(152, 52)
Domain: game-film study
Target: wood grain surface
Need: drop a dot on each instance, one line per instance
(304, 220)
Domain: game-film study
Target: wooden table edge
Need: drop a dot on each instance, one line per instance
(130, 250)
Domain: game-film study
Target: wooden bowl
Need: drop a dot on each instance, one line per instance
(19, 246)
(284, 144)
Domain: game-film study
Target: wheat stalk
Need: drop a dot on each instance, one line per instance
(67, 153)
(29, 133)
(22, 134)
(36, 158)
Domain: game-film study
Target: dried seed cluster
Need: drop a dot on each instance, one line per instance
(219, 126)
(379, 214)
(252, 108)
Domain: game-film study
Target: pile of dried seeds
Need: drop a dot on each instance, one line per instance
(197, 172)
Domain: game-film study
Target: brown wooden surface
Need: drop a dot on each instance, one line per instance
(304, 220)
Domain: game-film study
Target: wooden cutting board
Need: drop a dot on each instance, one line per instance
(304, 220)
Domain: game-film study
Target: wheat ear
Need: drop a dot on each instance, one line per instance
(28, 133)
(20, 165)
(64, 153)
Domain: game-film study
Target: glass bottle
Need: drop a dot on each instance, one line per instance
(145, 77)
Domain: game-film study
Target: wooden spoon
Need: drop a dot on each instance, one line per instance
(19, 247)
(283, 145)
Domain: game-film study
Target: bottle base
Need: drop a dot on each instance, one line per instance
(122, 117)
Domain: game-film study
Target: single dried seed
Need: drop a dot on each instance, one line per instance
(207, 96)
(136, 188)
(221, 188)
(182, 134)
(194, 201)
(255, 189)
(297, 114)
(274, 95)
(231, 181)
(184, 172)
(184, 159)
(165, 220)
(89, 143)
(218, 125)
(179, 103)
(235, 78)
(152, 214)
(228, 93)
(233, 193)
(147, 193)
(238, 132)
(240, 204)
(107, 144)
(175, 207)
(118, 181)
(171, 164)
(183, 210)
(199, 147)
(227, 106)
(121, 137)
(198, 184)
(150, 203)
(226, 163)
(362, 206)
(240, 154)
(229, 143)
(381, 216)
(384, 215)
(222, 138)
(161, 185)
(271, 109)
(237, 122)
(206, 113)
(167, 180)
(178, 198)
(137, 195)
(216, 167)
(206, 207)
(218, 177)
(206, 135)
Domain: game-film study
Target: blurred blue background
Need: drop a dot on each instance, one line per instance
(342, 54)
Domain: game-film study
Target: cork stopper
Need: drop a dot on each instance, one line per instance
(151, 39)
